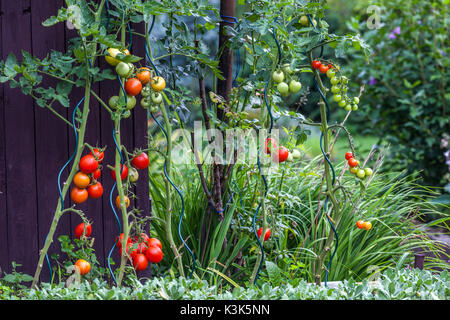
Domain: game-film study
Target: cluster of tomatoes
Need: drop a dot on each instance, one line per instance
(339, 86)
(143, 250)
(86, 180)
(354, 164)
(138, 81)
(286, 73)
(366, 225)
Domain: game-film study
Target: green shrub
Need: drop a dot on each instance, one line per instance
(405, 102)
(393, 284)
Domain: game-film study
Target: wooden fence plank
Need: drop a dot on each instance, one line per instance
(51, 132)
(20, 145)
(4, 258)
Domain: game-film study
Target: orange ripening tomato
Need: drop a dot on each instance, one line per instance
(143, 74)
(127, 201)
(158, 83)
(79, 195)
(83, 266)
(323, 68)
(367, 225)
(359, 224)
(81, 180)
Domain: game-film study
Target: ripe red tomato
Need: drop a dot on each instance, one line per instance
(83, 266)
(283, 154)
(154, 254)
(95, 191)
(99, 154)
(141, 161)
(140, 262)
(124, 173)
(348, 155)
(133, 87)
(352, 162)
(88, 164)
(143, 74)
(152, 242)
(81, 228)
(79, 195)
(81, 180)
(323, 68)
(97, 174)
(270, 143)
(316, 64)
(266, 235)
(119, 242)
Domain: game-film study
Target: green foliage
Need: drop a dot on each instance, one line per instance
(403, 284)
(406, 96)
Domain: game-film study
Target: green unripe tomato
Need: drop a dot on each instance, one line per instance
(294, 86)
(295, 154)
(334, 80)
(123, 69)
(344, 89)
(131, 102)
(342, 103)
(304, 21)
(157, 97)
(290, 157)
(283, 88)
(335, 89)
(330, 73)
(287, 68)
(133, 174)
(154, 109)
(354, 107)
(368, 171)
(344, 80)
(126, 114)
(146, 91)
(348, 107)
(337, 97)
(361, 174)
(145, 102)
(355, 100)
(113, 101)
(353, 170)
(278, 76)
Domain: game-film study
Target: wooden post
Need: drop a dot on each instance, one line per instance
(419, 259)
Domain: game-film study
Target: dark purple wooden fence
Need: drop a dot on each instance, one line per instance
(35, 144)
